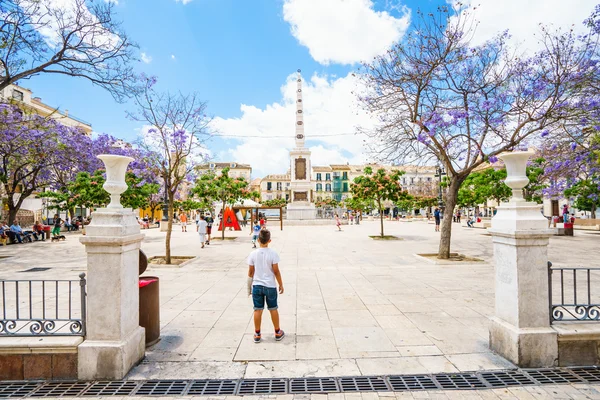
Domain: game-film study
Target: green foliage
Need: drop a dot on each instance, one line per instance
(356, 204)
(328, 202)
(86, 191)
(274, 203)
(210, 187)
(586, 193)
(481, 186)
(190, 205)
(378, 187)
(533, 190)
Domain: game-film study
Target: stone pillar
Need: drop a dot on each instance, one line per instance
(520, 330)
(114, 341)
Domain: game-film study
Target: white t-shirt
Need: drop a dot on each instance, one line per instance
(201, 226)
(263, 260)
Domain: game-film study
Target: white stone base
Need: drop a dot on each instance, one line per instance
(525, 347)
(305, 211)
(103, 359)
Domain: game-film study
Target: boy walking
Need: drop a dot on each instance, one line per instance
(263, 278)
(201, 226)
(255, 232)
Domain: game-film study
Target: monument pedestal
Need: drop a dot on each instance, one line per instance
(114, 341)
(300, 211)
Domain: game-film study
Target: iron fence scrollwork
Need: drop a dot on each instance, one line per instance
(570, 293)
(43, 307)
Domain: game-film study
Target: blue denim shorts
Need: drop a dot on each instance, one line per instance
(260, 293)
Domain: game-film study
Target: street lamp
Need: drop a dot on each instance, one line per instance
(439, 172)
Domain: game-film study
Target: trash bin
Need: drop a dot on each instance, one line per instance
(568, 229)
(47, 230)
(149, 303)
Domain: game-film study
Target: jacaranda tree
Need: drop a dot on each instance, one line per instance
(174, 142)
(439, 99)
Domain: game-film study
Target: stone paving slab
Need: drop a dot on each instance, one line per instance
(352, 305)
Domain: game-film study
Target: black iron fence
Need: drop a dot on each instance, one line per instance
(43, 307)
(571, 293)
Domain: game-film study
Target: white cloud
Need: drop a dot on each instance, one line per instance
(184, 2)
(146, 58)
(329, 108)
(522, 18)
(172, 56)
(343, 31)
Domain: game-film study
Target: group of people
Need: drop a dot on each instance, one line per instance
(16, 234)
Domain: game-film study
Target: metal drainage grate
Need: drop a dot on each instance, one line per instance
(17, 389)
(412, 382)
(213, 387)
(553, 376)
(262, 386)
(507, 378)
(162, 388)
(60, 389)
(222, 387)
(119, 388)
(459, 381)
(313, 385)
(588, 374)
(363, 384)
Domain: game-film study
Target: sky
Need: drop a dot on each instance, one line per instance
(241, 57)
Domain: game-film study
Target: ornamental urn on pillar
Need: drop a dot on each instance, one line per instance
(520, 329)
(116, 167)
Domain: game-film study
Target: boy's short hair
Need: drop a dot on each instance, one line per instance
(264, 236)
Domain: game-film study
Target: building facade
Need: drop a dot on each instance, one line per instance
(24, 98)
(236, 170)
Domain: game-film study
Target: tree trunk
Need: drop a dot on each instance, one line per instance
(380, 217)
(450, 203)
(169, 230)
(593, 210)
(222, 223)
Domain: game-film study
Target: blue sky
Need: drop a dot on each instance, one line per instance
(241, 57)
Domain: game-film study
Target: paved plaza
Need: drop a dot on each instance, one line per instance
(352, 305)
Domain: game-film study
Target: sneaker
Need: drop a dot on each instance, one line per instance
(279, 335)
(257, 337)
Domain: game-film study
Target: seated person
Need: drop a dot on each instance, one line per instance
(3, 235)
(471, 221)
(68, 225)
(38, 229)
(16, 229)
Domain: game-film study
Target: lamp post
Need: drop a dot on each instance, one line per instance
(439, 172)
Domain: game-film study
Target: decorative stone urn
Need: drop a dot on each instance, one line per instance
(520, 329)
(516, 172)
(116, 167)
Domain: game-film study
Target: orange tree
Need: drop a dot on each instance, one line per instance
(377, 188)
(222, 188)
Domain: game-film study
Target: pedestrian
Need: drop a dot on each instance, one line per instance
(255, 232)
(57, 224)
(458, 216)
(262, 221)
(201, 226)
(471, 221)
(338, 223)
(183, 220)
(351, 218)
(565, 213)
(209, 223)
(263, 278)
(437, 217)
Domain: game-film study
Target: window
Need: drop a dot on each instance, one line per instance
(404, 181)
(319, 176)
(328, 177)
(412, 180)
(328, 187)
(287, 184)
(336, 175)
(287, 197)
(429, 179)
(319, 187)
(233, 165)
(345, 176)
(345, 186)
(211, 166)
(17, 95)
(269, 185)
(279, 185)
